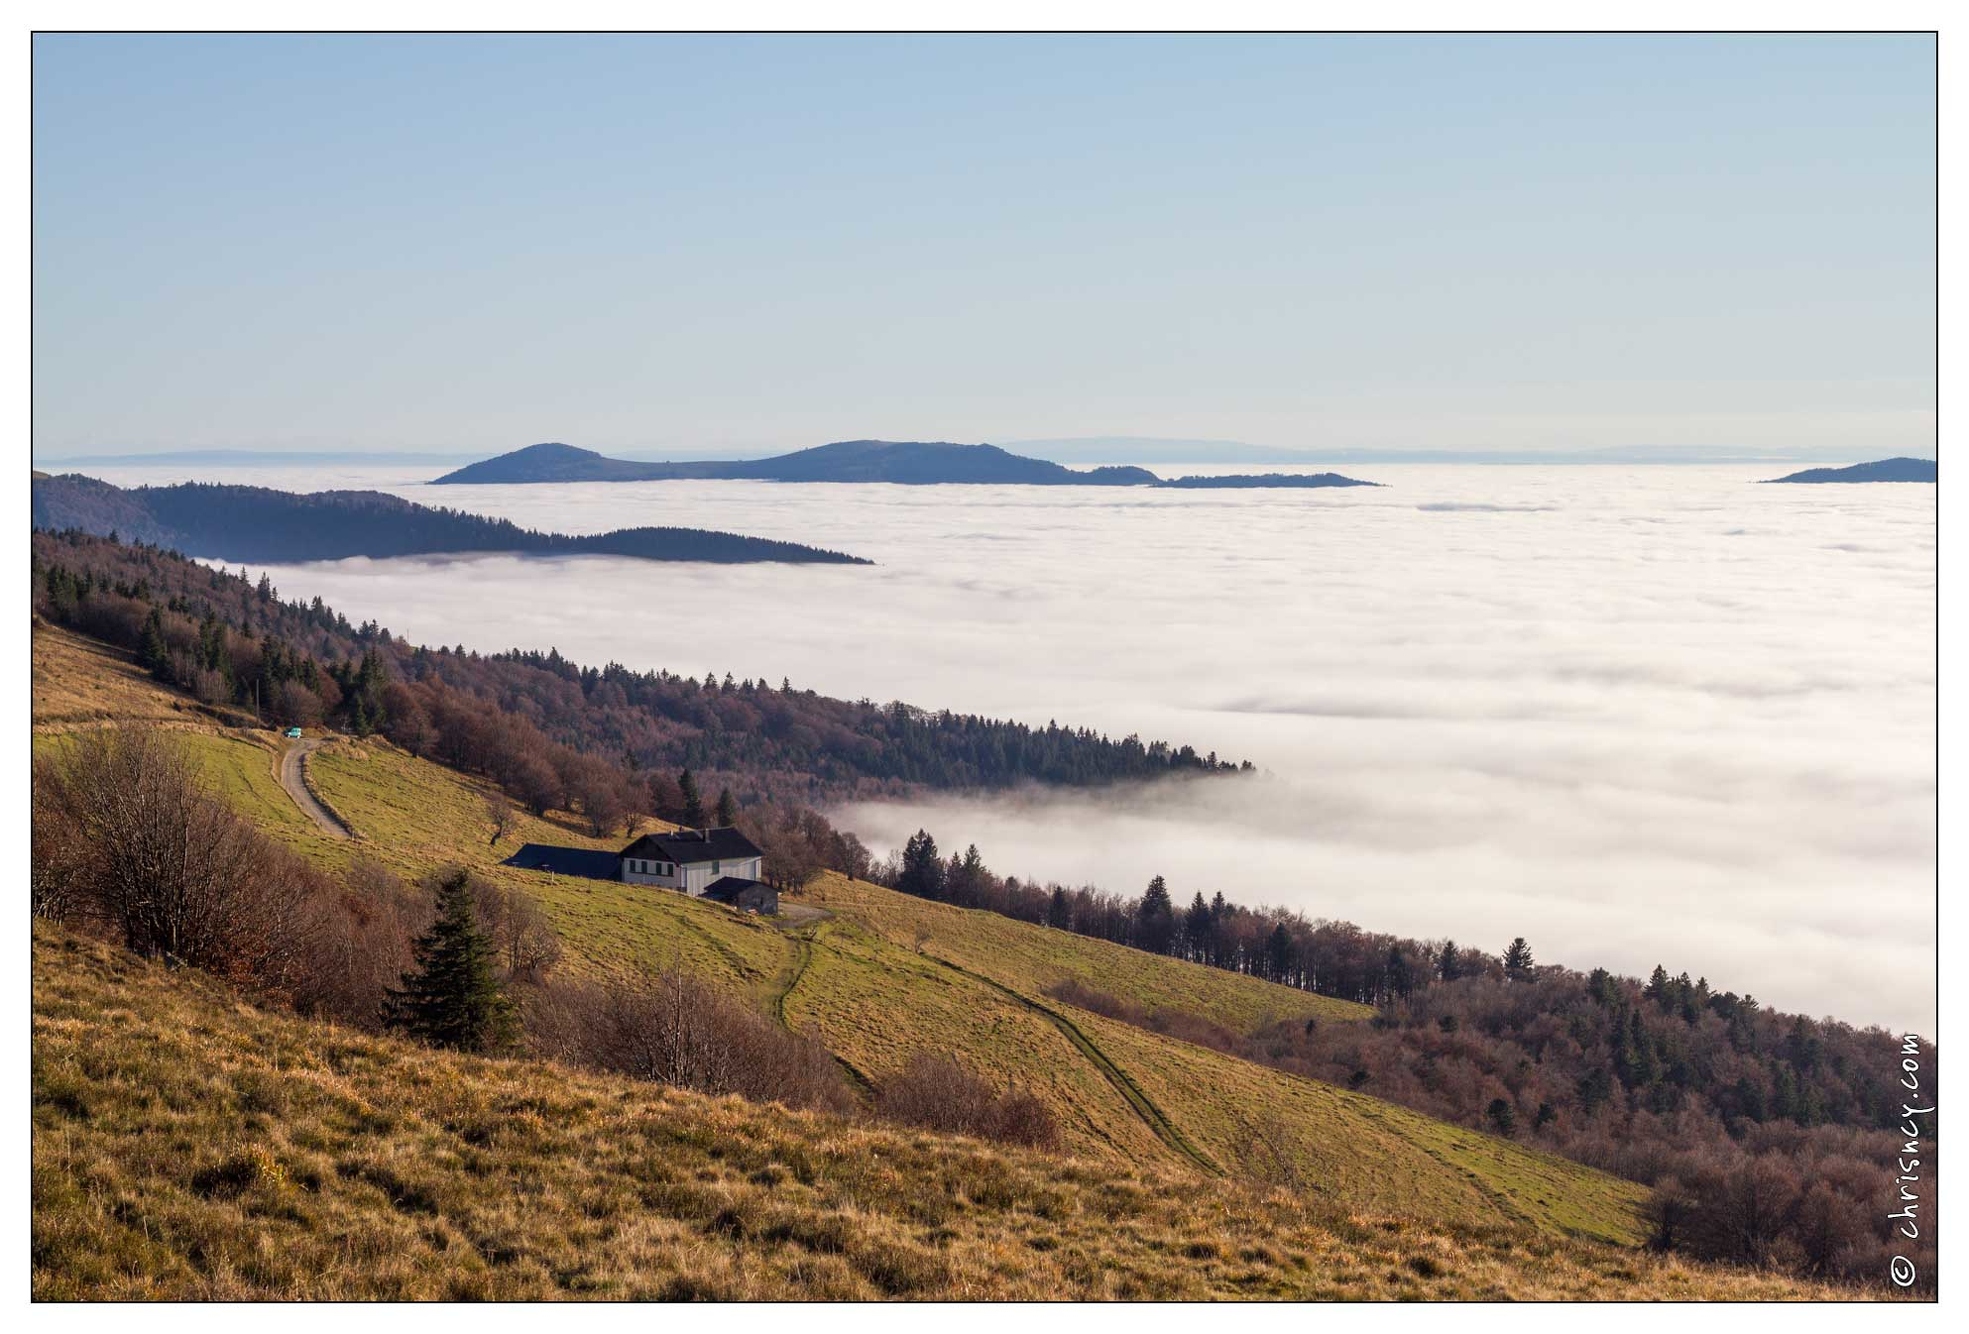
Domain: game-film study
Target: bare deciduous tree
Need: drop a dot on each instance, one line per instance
(520, 931)
(364, 946)
(499, 809)
(129, 841)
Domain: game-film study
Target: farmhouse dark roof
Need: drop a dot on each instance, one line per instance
(588, 863)
(687, 847)
(726, 889)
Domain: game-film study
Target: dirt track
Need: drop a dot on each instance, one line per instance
(296, 784)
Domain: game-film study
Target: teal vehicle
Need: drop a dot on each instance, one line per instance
(294, 732)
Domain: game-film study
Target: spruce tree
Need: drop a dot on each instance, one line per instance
(1156, 917)
(1517, 961)
(693, 802)
(1059, 911)
(1502, 1116)
(452, 998)
(1278, 952)
(1197, 924)
(1448, 966)
(155, 654)
(922, 867)
(727, 807)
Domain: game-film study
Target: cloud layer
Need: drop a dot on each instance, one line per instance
(1633, 714)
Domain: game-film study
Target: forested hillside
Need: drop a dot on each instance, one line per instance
(535, 719)
(254, 523)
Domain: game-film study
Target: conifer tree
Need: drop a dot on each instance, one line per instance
(1503, 1117)
(1278, 952)
(1517, 961)
(1156, 917)
(727, 807)
(693, 801)
(155, 654)
(452, 998)
(1645, 1065)
(1196, 925)
(1399, 976)
(922, 867)
(1448, 966)
(1059, 911)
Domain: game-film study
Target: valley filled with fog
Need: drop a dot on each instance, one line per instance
(1634, 714)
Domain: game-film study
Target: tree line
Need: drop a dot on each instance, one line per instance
(235, 643)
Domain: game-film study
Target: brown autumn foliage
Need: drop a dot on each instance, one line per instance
(364, 947)
(938, 1094)
(128, 843)
(674, 1029)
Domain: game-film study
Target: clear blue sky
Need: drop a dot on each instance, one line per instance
(728, 243)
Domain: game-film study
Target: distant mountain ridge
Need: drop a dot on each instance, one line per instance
(908, 463)
(255, 523)
(1881, 470)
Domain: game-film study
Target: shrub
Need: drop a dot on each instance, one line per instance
(674, 1029)
(938, 1094)
(128, 842)
(364, 947)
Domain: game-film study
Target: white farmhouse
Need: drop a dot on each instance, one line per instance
(691, 860)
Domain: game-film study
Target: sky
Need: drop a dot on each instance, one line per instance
(731, 244)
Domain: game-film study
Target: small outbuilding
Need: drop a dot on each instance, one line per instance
(588, 863)
(742, 895)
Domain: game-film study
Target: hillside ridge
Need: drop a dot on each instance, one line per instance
(256, 523)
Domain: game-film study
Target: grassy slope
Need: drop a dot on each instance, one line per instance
(975, 990)
(189, 1146)
(79, 682)
(1031, 959)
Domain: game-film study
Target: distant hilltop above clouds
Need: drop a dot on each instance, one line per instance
(909, 463)
(1883, 470)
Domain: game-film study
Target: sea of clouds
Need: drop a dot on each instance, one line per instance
(1635, 714)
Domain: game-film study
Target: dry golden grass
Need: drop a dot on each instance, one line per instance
(81, 682)
(884, 977)
(189, 1146)
(1031, 959)
(876, 1006)
(1362, 1151)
